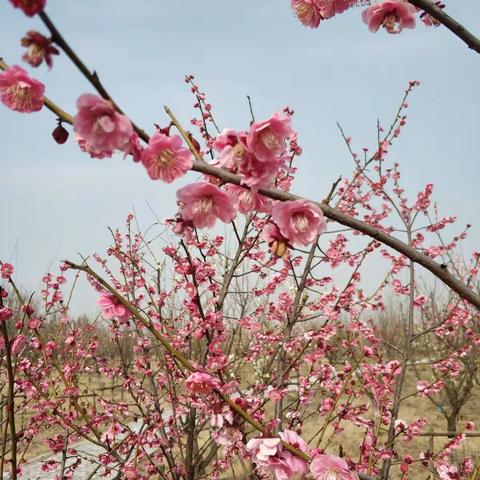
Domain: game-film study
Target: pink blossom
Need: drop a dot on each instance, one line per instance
(202, 203)
(388, 13)
(20, 92)
(111, 307)
(296, 464)
(248, 200)
(165, 158)
(299, 221)
(102, 127)
(87, 148)
(201, 383)
(276, 241)
(6, 270)
(40, 48)
(231, 146)
(18, 344)
(330, 467)
(308, 12)
(6, 313)
(29, 7)
(267, 139)
(263, 448)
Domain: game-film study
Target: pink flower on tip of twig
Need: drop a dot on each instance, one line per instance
(111, 307)
(100, 125)
(6, 271)
(388, 14)
(20, 92)
(29, 7)
(201, 383)
(299, 221)
(202, 203)
(330, 467)
(40, 48)
(165, 158)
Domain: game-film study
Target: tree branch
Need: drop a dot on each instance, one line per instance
(455, 27)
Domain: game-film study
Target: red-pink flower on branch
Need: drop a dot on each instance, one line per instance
(263, 448)
(296, 464)
(6, 313)
(40, 48)
(388, 14)
(330, 467)
(299, 221)
(267, 139)
(100, 125)
(87, 148)
(202, 203)
(29, 7)
(165, 158)
(248, 200)
(20, 92)
(6, 270)
(308, 12)
(111, 307)
(276, 241)
(18, 344)
(201, 383)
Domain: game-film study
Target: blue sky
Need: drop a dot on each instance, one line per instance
(56, 202)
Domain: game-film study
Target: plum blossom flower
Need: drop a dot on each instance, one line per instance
(87, 148)
(20, 92)
(29, 7)
(231, 146)
(165, 158)
(201, 383)
(202, 203)
(299, 221)
(388, 13)
(6, 313)
(40, 48)
(248, 200)
(296, 464)
(267, 139)
(276, 241)
(263, 448)
(111, 307)
(6, 271)
(100, 125)
(330, 467)
(308, 12)
(18, 344)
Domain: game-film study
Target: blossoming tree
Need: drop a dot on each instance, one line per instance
(250, 359)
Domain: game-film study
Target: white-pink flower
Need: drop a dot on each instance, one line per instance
(101, 126)
(330, 467)
(299, 221)
(263, 448)
(202, 203)
(389, 13)
(165, 158)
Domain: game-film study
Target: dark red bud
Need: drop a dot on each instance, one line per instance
(60, 135)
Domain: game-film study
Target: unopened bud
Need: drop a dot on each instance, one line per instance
(60, 134)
